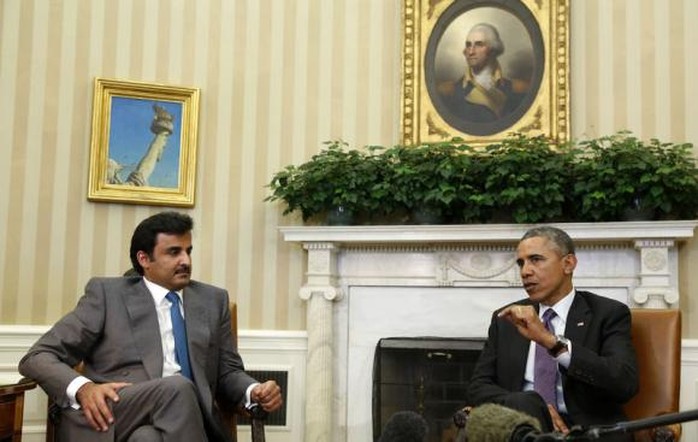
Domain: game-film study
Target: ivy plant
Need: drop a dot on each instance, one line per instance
(523, 179)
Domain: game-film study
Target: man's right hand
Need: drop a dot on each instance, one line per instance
(268, 395)
(528, 324)
(93, 399)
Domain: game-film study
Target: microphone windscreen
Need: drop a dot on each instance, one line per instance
(496, 423)
(405, 426)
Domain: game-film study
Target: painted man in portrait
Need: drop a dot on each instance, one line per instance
(482, 94)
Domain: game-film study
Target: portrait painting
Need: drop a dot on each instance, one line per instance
(144, 143)
(482, 69)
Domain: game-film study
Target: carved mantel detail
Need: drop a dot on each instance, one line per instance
(656, 289)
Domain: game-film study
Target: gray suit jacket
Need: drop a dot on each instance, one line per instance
(114, 331)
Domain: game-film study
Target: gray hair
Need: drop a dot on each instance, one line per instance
(491, 37)
(560, 239)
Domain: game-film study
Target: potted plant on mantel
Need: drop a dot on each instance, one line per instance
(620, 177)
(428, 183)
(522, 180)
(335, 185)
(526, 180)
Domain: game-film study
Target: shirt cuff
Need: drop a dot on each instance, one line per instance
(73, 388)
(248, 394)
(565, 358)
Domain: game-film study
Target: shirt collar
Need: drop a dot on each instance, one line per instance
(159, 292)
(562, 307)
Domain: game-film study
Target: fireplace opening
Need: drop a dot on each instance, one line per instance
(427, 375)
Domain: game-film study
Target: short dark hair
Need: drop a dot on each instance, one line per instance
(145, 235)
(560, 239)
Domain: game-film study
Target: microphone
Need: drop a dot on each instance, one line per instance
(596, 432)
(496, 423)
(405, 426)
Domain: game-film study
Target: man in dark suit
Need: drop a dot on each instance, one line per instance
(137, 385)
(594, 369)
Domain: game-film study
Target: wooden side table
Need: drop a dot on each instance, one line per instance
(12, 409)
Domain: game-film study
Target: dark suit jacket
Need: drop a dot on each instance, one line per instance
(114, 330)
(602, 375)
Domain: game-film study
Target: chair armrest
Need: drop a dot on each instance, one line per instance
(664, 433)
(667, 433)
(256, 414)
(12, 408)
(21, 386)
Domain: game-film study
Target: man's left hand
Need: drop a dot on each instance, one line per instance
(559, 424)
(268, 395)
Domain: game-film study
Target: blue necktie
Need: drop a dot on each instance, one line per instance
(180, 335)
(545, 369)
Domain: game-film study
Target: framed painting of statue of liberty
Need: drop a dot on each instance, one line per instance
(143, 148)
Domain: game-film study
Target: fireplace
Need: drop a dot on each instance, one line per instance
(427, 375)
(365, 283)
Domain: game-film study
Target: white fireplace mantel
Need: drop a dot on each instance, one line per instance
(367, 282)
(611, 232)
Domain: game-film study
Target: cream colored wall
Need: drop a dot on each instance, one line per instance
(634, 67)
(277, 77)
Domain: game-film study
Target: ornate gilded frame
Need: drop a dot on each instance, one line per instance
(143, 148)
(430, 30)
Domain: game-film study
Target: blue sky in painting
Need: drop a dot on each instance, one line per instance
(130, 137)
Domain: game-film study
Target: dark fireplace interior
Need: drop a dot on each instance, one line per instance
(427, 375)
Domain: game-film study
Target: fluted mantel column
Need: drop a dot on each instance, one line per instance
(320, 290)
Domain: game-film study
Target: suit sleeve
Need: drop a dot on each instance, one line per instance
(484, 383)
(51, 359)
(232, 381)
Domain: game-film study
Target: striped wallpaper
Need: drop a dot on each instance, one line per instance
(277, 78)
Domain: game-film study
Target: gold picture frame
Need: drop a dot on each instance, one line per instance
(143, 147)
(435, 102)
